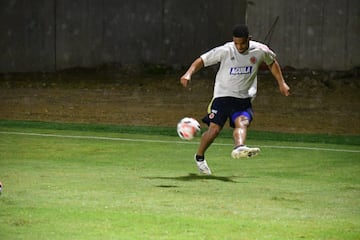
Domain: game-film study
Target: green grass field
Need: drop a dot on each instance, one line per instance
(74, 181)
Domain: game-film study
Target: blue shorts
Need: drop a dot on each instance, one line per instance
(223, 108)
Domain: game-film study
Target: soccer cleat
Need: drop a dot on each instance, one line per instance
(203, 167)
(244, 152)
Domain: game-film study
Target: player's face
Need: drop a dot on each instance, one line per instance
(241, 44)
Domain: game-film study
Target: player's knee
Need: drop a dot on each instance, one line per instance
(214, 131)
(242, 122)
(245, 122)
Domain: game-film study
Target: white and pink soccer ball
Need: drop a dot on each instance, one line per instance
(188, 128)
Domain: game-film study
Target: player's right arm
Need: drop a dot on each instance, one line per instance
(194, 67)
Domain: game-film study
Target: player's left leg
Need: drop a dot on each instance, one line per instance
(240, 131)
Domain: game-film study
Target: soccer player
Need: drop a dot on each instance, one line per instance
(235, 88)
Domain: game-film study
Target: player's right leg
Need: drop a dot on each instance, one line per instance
(202, 165)
(207, 139)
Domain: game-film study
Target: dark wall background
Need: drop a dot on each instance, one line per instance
(321, 34)
(50, 35)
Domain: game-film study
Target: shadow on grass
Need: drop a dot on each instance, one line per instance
(196, 177)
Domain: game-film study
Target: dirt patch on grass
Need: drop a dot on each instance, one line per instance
(320, 102)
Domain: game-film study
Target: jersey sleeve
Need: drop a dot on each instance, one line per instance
(213, 56)
(269, 55)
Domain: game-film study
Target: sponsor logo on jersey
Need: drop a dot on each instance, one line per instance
(240, 70)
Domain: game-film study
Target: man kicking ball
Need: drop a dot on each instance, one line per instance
(235, 88)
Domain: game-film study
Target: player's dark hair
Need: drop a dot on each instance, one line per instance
(241, 31)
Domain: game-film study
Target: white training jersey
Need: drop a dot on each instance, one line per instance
(237, 74)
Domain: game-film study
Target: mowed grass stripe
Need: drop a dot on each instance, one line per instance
(169, 141)
(81, 188)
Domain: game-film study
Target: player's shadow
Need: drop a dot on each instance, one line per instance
(197, 177)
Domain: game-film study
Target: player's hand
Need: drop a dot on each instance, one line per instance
(285, 89)
(195, 66)
(184, 80)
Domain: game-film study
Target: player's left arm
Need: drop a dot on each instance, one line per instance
(277, 73)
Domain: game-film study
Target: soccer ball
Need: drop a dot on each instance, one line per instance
(187, 128)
